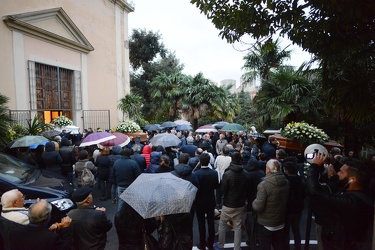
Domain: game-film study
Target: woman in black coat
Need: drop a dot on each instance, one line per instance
(103, 163)
(130, 227)
(52, 158)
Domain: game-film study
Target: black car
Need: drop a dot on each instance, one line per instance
(35, 183)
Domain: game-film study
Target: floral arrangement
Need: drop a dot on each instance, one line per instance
(128, 127)
(62, 121)
(304, 133)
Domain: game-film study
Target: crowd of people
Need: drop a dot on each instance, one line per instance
(244, 181)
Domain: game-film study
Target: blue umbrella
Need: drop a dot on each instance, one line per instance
(34, 146)
(153, 127)
(183, 127)
(168, 125)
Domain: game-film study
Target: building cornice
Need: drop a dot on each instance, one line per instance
(123, 4)
(21, 23)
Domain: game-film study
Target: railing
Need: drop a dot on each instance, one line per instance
(20, 117)
(96, 119)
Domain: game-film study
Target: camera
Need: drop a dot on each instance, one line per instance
(311, 155)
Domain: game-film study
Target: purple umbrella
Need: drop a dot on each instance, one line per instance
(120, 140)
(96, 138)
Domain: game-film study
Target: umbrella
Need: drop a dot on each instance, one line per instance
(120, 140)
(165, 194)
(233, 127)
(219, 125)
(181, 122)
(147, 126)
(168, 125)
(74, 130)
(165, 140)
(96, 138)
(257, 135)
(153, 127)
(34, 146)
(51, 133)
(28, 140)
(206, 128)
(183, 127)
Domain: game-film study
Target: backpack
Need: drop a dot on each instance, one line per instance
(87, 177)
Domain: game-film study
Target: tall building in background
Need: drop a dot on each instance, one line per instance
(227, 82)
(250, 86)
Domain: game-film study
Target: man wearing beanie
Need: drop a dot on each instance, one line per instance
(90, 224)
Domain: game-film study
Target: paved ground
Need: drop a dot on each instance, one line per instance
(112, 243)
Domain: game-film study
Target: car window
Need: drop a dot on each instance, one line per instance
(14, 170)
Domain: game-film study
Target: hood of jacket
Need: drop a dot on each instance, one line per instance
(116, 150)
(236, 168)
(50, 146)
(146, 149)
(65, 142)
(155, 157)
(276, 179)
(183, 170)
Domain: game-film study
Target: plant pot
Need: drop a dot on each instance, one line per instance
(144, 136)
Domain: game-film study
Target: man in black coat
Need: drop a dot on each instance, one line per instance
(351, 211)
(269, 147)
(68, 159)
(205, 201)
(90, 224)
(234, 186)
(36, 236)
(140, 159)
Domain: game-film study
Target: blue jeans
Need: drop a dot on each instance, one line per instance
(120, 202)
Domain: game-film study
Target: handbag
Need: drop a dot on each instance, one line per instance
(148, 241)
(87, 177)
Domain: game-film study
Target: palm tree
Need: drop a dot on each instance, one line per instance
(132, 105)
(167, 92)
(263, 58)
(289, 95)
(5, 119)
(203, 98)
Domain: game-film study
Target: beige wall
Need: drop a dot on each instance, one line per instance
(104, 71)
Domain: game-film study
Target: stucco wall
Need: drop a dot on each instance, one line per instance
(104, 71)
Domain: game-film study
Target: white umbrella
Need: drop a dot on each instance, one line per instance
(154, 195)
(206, 129)
(165, 140)
(28, 140)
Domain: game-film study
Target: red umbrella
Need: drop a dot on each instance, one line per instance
(120, 140)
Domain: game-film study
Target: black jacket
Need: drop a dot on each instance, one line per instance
(90, 228)
(103, 162)
(52, 158)
(37, 237)
(350, 215)
(67, 156)
(234, 186)
(140, 159)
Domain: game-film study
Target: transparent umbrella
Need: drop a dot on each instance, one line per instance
(165, 194)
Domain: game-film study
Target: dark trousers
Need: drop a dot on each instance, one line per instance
(293, 222)
(202, 210)
(268, 238)
(251, 228)
(105, 188)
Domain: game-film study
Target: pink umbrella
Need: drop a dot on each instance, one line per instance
(120, 140)
(206, 128)
(96, 138)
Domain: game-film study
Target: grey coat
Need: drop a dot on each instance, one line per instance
(271, 201)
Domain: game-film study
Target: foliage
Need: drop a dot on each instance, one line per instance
(62, 121)
(263, 57)
(168, 92)
(5, 119)
(320, 27)
(131, 104)
(34, 126)
(144, 46)
(128, 126)
(289, 95)
(304, 133)
(247, 115)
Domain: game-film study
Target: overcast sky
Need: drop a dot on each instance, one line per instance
(195, 40)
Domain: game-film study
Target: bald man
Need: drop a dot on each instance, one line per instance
(13, 207)
(37, 236)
